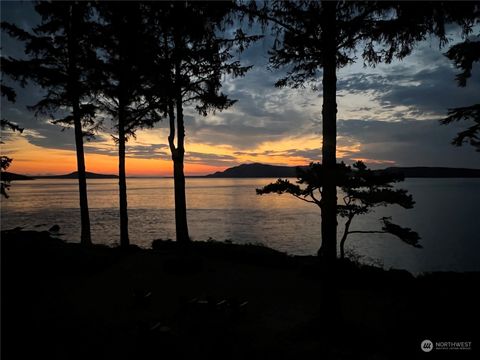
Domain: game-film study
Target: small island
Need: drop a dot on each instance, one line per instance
(74, 175)
(8, 176)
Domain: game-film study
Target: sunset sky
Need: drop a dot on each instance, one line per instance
(387, 116)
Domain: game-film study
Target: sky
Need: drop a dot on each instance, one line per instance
(387, 116)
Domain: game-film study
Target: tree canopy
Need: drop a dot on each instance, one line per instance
(464, 55)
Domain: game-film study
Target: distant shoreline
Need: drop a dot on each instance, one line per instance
(209, 177)
(256, 171)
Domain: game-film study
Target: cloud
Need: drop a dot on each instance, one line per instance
(422, 86)
(408, 142)
(210, 159)
(152, 151)
(261, 114)
(432, 91)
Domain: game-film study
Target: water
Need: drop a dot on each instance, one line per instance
(445, 215)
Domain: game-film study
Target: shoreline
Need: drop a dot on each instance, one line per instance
(355, 255)
(139, 303)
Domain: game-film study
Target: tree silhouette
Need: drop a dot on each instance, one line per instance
(59, 59)
(464, 55)
(192, 57)
(5, 161)
(124, 93)
(363, 190)
(315, 38)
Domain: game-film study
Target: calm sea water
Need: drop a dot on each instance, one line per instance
(445, 215)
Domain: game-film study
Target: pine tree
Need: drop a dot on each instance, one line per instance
(464, 55)
(5, 161)
(59, 60)
(363, 190)
(125, 86)
(191, 59)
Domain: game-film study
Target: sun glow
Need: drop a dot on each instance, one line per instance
(200, 159)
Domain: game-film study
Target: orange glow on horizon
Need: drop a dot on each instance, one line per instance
(30, 159)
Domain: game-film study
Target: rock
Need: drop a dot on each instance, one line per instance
(54, 228)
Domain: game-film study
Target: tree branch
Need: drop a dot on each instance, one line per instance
(171, 136)
(302, 198)
(315, 200)
(367, 232)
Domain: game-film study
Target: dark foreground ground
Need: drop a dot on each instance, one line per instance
(216, 300)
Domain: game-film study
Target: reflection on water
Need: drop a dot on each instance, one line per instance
(445, 216)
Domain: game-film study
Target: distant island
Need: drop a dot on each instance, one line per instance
(9, 176)
(74, 175)
(434, 172)
(257, 170)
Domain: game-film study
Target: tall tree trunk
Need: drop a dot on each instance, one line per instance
(178, 154)
(329, 305)
(73, 83)
(181, 225)
(329, 115)
(85, 237)
(122, 182)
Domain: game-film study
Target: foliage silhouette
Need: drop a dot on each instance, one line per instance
(464, 55)
(363, 190)
(60, 60)
(191, 58)
(5, 161)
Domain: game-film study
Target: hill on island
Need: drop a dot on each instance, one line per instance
(256, 170)
(74, 175)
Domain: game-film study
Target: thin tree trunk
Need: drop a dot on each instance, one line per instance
(85, 237)
(344, 237)
(178, 152)
(329, 115)
(181, 224)
(122, 182)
